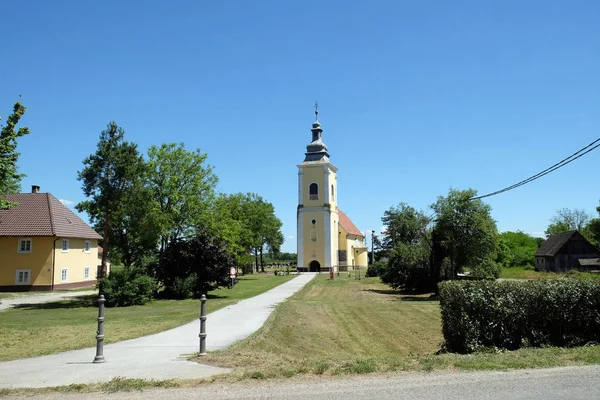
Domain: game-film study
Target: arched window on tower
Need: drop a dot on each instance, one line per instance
(313, 190)
(332, 194)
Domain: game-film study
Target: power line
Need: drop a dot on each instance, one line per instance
(554, 167)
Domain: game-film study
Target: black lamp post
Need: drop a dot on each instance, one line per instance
(372, 247)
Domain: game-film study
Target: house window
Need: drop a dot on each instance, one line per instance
(88, 246)
(24, 246)
(313, 191)
(86, 273)
(65, 245)
(23, 277)
(64, 275)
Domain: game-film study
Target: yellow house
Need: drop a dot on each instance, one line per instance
(326, 237)
(44, 245)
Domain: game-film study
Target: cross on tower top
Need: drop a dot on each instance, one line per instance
(317, 110)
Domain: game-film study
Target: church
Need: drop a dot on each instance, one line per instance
(327, 238)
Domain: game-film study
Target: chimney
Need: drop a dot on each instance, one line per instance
(35, 189)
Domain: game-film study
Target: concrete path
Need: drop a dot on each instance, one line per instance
(41, 298)
(159, 356)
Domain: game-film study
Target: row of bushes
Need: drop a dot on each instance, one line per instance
(511, 315)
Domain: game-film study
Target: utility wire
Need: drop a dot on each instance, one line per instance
(560, 164)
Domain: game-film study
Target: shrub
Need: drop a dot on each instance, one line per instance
(127, 287)
(511, 315)
(275, 272)
(376, 269)
(194, 266)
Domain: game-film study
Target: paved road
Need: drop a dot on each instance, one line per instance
(157, 356)
(41, 298)
(544, 384)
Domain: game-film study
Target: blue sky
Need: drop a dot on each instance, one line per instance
(415, 97)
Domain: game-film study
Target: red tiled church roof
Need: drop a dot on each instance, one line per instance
(348, 226)
(41, 214)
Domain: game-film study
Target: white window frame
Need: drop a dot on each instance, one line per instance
(21, 240)
(62, 246)
(64, 275)
(87, 247)
(86, 273)
(28, 271)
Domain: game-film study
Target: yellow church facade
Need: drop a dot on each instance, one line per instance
(326, 237)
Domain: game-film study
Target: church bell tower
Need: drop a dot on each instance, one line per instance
(317, 215)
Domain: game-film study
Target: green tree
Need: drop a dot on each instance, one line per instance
(593, 229)
(182, 186)
(192, 267)
(565, 220)
(107, 179)
(465, 235)
(516, 249)
(135, 234)
(408, 248)
(403, 224)
(10, 178)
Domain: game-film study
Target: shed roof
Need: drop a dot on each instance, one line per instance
(41, 214)
(348, 225)
(553, 244)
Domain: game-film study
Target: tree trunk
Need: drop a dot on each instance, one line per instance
(256, 259)
(262, 265)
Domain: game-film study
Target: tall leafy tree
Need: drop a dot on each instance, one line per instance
(593, 229)
(516, 249)
(107, 179)
(464, 235)
(10, 178)
(408, 245)
(565, 220)
(182, 187)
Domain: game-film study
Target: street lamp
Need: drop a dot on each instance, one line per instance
(372, 247)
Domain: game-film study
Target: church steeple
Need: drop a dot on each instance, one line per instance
(316, 150)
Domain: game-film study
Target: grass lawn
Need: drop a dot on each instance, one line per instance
(527, 273)
(38, 329)
(351, 326)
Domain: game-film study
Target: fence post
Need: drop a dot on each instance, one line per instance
(100, 332)
(202, 334)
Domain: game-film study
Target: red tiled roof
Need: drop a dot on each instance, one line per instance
(41, 214)
(348, 226)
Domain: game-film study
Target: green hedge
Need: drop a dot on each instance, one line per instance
(511, 315)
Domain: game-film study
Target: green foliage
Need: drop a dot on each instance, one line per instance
(249, 225)
(108, 178)
(9, 177)
(567, 220)
(516, 249)
(182, 187)
(204, 260)
(407, 246)
(403, 224)
(127, 287)
(408, 268)
(465, 236)
(511, 315)
(376, 269)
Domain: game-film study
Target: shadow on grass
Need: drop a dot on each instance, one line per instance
(75, 302)
(405, 296)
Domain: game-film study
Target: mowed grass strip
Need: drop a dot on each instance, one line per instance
(39, 329)
(351, 326)
(330, 323)
(527, 273)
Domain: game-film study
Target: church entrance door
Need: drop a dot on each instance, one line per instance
(314, 266)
